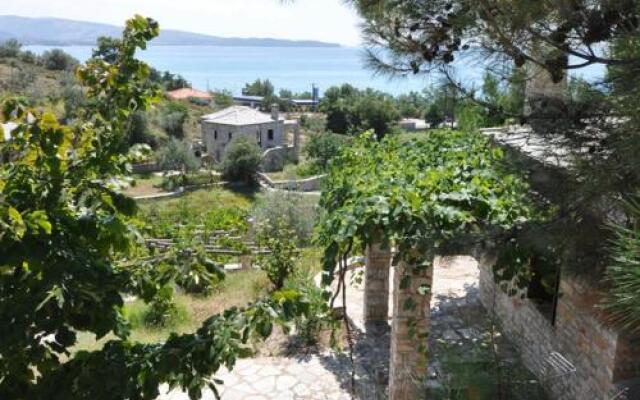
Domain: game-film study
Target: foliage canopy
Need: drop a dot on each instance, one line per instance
(448, 190)
(64, 231)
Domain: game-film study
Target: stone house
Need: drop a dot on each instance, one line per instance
(565, 339)
(220, 128)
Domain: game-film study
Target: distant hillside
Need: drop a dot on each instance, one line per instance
(61, 32)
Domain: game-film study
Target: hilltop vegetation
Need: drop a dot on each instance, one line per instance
(48, 81)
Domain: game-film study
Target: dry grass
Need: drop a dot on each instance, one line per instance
(145, 186)
(238, 290)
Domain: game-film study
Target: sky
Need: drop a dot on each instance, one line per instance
(325, 20)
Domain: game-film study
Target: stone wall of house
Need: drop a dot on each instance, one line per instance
(216, 143)
(602, 357)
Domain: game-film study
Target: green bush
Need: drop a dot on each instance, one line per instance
(198, 274)
(21, 78)
(322, 147)
(73, 97)
(281, 260)
(241, 161)
(319, 317)
(223, 99)
(469, 117)
(172, 182)
(292, 211)
(173, 115)
(161, 312)
(10, 48)
(177, 155)
(138, 131)
(28, 57)
(313, 124)
(623, 272)
(57, 60)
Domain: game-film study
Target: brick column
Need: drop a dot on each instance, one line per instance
(376, 285)
(409, 331)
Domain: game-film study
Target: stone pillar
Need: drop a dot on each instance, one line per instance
(376, 285)
(409, 331)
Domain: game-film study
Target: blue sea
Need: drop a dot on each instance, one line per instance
(294, 68)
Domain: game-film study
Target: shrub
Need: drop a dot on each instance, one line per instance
(198, 101)
(313, 124)
(223, 99)
(57, 60)
(308, 328)
(21, 78)
(469, 117)
(73, 96)
(321, 148)
(162, 311)
(27, 57)
(623, 272)
(138, 131)
(172, 119)
(241, 161)
(10, 48)
(278, 209)
(198, 274)
(177, 155)
(281, 260)
(172, 182)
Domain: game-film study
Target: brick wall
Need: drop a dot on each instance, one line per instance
(601, 356)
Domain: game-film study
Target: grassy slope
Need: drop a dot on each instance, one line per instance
(46, 86)
(238, 290)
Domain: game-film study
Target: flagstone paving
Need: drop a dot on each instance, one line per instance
(458, 322)
(276, 378)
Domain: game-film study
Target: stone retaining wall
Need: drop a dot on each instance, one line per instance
(312, 184)
(274, 159)
(145, 168)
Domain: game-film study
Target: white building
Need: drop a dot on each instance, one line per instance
(7, 128)
(413, 124)
(218, 129)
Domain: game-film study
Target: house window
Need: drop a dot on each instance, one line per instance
(270, 134)
(544, 286)
(215, 135)
(230, 135)
(259, 137)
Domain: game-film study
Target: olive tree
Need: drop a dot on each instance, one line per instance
(241, 160)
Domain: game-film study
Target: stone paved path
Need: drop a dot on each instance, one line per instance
(276, 378)
(460, 328)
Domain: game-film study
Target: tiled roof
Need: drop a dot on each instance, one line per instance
(186, 93)
(238, 115)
